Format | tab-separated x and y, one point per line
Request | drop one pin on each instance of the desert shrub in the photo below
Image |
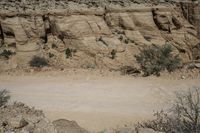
6	54
38	62
183	117
155	59
51	55
68	53
121	38
54	46
113	54
4	97
126	41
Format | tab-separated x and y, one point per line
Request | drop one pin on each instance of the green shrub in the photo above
6	54
155	59
38	62
4	97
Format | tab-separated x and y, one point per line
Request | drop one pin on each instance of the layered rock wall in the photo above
191	12
92	33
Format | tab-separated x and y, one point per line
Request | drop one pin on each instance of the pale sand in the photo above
95	102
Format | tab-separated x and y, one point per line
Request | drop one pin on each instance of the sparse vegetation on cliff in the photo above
4	97
38	62
51	55
113	54
6	54
155	59
68	53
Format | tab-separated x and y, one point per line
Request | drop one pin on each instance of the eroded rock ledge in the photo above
93	33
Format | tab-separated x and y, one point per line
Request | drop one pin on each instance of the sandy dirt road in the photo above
96	103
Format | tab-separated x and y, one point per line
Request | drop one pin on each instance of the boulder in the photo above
126	130
132	130
147	130
19	118
8	64
44	126
17	122
23	119
66	126
197	65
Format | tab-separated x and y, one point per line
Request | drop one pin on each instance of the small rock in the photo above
28	129
18	122
125	130
24	131
44	126
146	130
183	77
65	126
197	65
32	70
1	130
19	104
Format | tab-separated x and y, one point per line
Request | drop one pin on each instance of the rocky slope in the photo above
19	118
91	31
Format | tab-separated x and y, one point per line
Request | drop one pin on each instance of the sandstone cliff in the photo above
91	30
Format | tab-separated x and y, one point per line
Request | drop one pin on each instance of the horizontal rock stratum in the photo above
92	30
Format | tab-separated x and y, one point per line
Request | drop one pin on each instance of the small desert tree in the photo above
4	97
155	59
187	108
183	117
